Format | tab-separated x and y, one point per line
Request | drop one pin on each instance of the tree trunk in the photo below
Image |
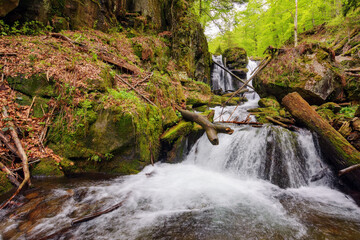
211	129
334	146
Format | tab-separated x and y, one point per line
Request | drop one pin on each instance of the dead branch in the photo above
236	77
10	175
280	123
242	123
7	54
128	84
32	103
23	157
19	168
348	169
252	77
144	80
11	147
211	129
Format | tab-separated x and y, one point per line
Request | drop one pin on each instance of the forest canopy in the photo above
257	24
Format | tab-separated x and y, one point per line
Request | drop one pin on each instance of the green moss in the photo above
5	184
326	114
181	129
169	117
36	85
47	167
236	57
269	102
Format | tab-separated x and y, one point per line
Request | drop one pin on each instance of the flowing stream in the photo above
259	183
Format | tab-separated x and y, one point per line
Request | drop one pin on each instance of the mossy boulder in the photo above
169	117
35	85
47	167
309	70
236	58
269	102
113	139
334	107
5	184
183	128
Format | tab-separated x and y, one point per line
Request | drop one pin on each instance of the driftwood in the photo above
236	77
243	123
22	155
335	147
280	123
128	84
144	80
211	129
349	169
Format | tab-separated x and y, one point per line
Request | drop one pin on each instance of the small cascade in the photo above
251	95
219	77
258	183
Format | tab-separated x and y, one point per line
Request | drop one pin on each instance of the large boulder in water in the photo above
309	69
236	58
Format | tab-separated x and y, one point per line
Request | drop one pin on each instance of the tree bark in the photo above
337	150
211	129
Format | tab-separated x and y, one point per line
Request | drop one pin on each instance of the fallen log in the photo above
334	146
280	123
211	129
349	169
243	123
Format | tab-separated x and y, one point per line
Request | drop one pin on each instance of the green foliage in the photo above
28	28
348	111
270	22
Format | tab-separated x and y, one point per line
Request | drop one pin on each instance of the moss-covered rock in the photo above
36	85
5	184
310	71
326	114
169	117
335	108
111	139
236	58
269	102
183	128
47	167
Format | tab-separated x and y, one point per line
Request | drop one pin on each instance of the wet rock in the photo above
7	6
236	58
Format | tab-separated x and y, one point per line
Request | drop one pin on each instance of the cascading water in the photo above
256	184
219	77
251	95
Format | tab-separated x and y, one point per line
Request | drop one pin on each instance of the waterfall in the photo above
221	80
258	183
251	95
